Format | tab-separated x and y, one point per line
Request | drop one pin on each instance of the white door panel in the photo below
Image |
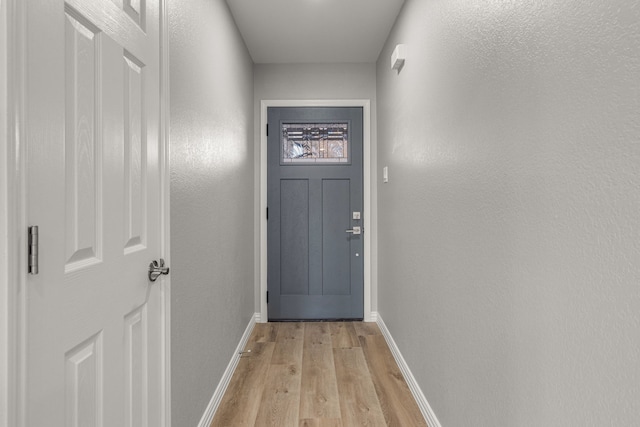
94	321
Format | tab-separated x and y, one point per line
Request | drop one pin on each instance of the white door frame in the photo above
368	208
13	213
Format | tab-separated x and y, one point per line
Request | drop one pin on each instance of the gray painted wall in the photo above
5	295
314	81
509	233
212	209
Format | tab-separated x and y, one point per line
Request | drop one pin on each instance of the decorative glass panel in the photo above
315	143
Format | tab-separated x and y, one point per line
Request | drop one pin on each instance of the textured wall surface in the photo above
4	268
509	233
315	81
211	199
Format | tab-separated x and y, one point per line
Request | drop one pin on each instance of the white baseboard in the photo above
207	417
425	408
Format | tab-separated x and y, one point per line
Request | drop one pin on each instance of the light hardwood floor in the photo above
317	374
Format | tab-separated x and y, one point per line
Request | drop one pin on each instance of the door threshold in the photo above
315	320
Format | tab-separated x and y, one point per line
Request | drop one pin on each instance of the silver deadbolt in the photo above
156	269
355	230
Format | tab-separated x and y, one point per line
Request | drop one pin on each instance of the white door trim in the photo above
13	215
368	208
14	222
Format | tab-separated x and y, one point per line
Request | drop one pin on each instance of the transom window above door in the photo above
315	143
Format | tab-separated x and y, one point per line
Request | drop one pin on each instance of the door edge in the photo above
165	219
368	209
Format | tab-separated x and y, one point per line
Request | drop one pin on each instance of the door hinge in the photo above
267	213
267	129
33	249
267	297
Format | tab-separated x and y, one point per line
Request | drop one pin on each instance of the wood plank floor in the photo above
317	374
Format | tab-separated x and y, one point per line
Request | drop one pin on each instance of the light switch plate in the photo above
385	174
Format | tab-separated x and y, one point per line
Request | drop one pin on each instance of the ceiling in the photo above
314	31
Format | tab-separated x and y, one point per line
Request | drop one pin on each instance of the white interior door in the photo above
94	322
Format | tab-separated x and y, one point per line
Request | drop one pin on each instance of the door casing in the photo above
13	211
367	209
13	214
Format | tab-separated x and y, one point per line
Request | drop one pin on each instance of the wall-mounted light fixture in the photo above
398	56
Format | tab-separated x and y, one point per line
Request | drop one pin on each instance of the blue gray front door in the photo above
314	199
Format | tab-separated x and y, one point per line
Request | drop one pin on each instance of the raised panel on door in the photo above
83	148
136	9
336	244
84	384
135	154
294	237
136	368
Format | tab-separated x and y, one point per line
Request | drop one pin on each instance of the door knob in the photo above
156	269
354	230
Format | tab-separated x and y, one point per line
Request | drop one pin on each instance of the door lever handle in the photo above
354	230
156	269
